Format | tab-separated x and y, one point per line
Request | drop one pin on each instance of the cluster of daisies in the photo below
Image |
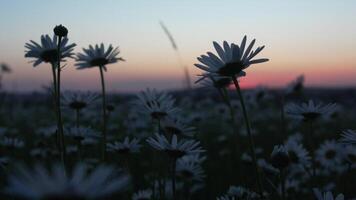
255	144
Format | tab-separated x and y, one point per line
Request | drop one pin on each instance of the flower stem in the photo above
283	186
77	113
103	153
174	163
60	123
248	129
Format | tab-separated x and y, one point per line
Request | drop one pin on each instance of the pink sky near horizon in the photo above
316	39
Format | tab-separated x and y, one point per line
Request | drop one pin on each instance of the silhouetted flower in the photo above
157	104
78	100
98	56
232	60
329	155
4	68
39	183
80	133
310	111
175	148
348	137
177	126
47	51
142	195
190	169
60	31
125	147
280	157
326	195
295	86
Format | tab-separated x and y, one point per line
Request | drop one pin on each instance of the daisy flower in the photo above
80	133
295	86
177	126
98	56
142	195
175	148
298	155
157	104
232	59
310	111
40	183
78	100
326	195
348	137
189	169
329	155
280	157
12	142
47	51
125	147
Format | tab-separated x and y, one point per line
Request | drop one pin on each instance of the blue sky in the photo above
316	38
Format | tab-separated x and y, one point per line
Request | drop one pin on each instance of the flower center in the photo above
231	69
99	62
158	115
77	105
50	55
293	157
187	174
311	115
330	154
175	153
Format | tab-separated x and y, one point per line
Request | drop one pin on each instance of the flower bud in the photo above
60	31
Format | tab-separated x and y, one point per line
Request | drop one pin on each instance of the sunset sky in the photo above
314	38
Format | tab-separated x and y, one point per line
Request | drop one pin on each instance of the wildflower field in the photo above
213	141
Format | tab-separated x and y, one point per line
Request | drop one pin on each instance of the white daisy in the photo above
348	137
298	155
47	50
80	133
175	148
12	142
125	147
280	157
54	184
157	104
177	126
329	155
78	100
309	111
142	195
189	169
232	60
326	195
97	56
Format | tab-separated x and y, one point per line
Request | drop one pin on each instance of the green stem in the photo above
104	113
248	129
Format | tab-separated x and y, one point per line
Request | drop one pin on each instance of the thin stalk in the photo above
77	116
174	163
79	146
312	147
59	113
283	118
248	129
283	186
103	147
58	140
